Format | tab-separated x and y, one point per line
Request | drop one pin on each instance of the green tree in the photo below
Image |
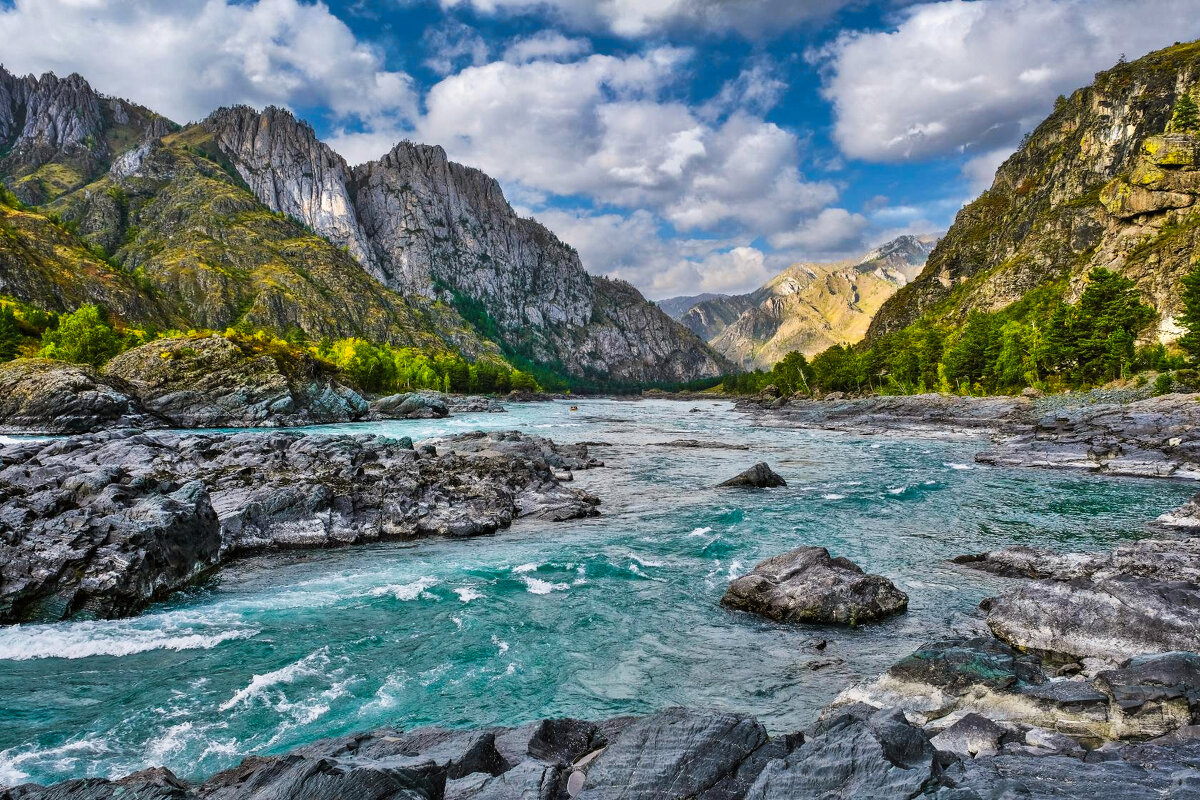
1190	316
84	337
792	374
1186	116
10	335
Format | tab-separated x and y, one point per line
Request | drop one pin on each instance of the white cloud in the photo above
600	127
186	57
546	45
970	77
634	18
833	232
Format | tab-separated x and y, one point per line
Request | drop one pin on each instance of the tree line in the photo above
1040	341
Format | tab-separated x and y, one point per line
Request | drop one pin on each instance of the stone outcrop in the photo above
1102	182
410	405
1154	438
215	382
1142	597
39	396
807	585
423	224
893	414
807	307
101	525
760	476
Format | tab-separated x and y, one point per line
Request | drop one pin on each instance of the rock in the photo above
1186	516
474	404
850	756
891	414
1032	393
703	444
760	476
410	405
38	396
101	525
214	382
970	736
151	784
806	585
1153	694
98	544
675	753
1147	438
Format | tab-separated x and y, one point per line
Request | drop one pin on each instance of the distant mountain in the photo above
674	307
1105	181
248	218
807	307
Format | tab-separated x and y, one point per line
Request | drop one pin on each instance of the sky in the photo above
683	145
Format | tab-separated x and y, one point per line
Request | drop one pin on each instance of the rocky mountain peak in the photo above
290	170
423	224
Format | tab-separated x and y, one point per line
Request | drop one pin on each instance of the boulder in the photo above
215	382
410	405
858	753
39	396
760	476
970	736
807	585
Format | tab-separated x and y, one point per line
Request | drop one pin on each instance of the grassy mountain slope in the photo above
1095	185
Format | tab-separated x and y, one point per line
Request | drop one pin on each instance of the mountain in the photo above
674	307
247	218
807	307
1101	182
425	225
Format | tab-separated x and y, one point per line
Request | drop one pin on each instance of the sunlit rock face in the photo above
423	224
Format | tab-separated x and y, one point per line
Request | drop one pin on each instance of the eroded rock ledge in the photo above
101	525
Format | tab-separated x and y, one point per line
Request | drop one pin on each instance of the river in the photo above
593	618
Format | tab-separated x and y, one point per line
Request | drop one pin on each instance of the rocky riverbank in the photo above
101	525
1152	437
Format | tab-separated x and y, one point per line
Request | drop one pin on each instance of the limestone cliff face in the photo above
425	225
1098	184
807	307
58	133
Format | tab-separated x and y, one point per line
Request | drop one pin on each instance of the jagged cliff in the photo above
249	219
807	307
57	134
425	225
1097	184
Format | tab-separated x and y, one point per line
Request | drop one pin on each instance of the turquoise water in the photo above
592	618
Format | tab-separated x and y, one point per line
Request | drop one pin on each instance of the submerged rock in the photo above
703	444
103	524
807	585
39	396
214	382
760	476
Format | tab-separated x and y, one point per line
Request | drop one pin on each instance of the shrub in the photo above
82	337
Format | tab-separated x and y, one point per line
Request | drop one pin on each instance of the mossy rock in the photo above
1171	150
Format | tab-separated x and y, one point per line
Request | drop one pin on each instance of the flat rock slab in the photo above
760	476
807	585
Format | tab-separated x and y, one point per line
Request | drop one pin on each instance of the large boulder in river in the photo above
410	405
807	585
216	382
53	397
760	476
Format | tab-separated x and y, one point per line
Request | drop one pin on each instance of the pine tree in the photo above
1186	116
10	335
1190	316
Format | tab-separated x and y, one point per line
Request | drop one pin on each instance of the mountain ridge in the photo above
808	306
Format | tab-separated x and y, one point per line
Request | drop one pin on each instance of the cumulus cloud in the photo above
634	18
969	77
833	232
599	126
186	57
